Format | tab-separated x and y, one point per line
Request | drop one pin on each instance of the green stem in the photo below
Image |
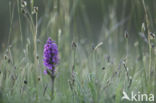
35	44
148	32
52	85
127	47
18	6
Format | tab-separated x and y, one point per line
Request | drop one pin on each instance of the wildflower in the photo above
50	55
50	60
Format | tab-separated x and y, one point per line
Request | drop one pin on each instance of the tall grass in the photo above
95	68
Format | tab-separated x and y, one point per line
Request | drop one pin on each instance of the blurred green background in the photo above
87	18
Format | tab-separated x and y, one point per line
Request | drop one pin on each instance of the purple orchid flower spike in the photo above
50	54
50	60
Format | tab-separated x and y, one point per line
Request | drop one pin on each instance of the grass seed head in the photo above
23	4
103	68
5	57
38	78
143	27
9	60
152	35
126	35
25	82
35	10
37	57
98	45
74	44
24	11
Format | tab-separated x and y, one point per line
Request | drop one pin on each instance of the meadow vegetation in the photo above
101	53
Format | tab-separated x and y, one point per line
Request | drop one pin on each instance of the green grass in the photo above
97	70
